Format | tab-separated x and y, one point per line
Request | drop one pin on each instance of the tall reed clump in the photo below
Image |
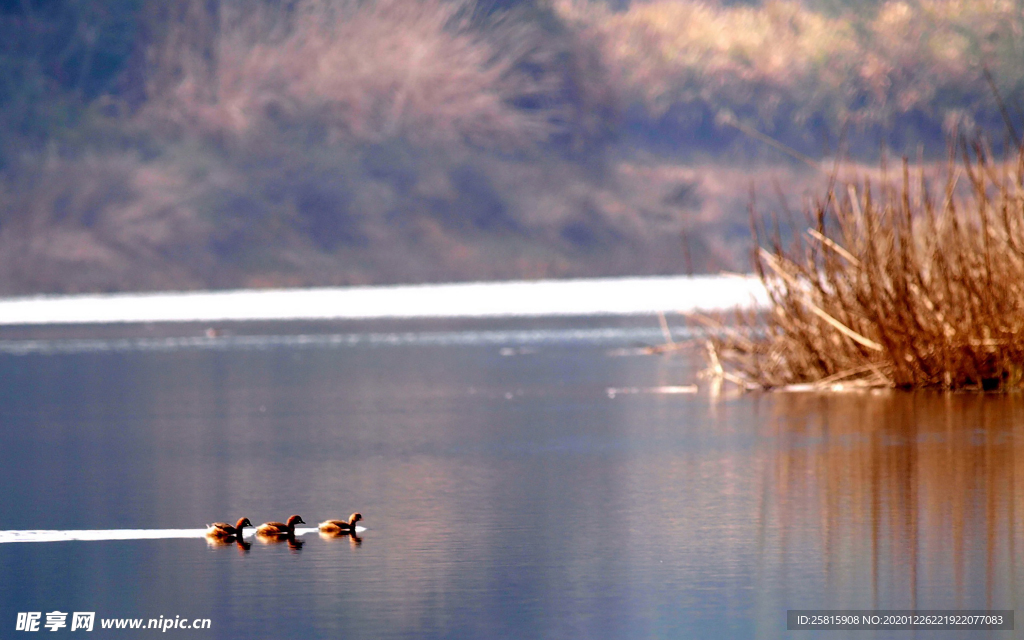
896	286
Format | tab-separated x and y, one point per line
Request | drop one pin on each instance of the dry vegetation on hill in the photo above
900	71
193	143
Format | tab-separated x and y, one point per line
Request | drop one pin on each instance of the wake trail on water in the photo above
93	535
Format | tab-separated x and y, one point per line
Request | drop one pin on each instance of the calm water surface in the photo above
506	494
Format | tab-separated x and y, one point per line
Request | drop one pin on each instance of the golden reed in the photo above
897	285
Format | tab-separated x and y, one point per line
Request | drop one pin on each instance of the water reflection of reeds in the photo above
911	496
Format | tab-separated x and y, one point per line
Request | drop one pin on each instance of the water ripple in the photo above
596	336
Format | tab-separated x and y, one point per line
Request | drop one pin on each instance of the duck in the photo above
279	529
225	530
338	527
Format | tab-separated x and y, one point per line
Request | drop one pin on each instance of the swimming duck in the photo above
341	526
225	530
279	529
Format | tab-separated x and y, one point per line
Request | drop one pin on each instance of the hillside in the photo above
191	144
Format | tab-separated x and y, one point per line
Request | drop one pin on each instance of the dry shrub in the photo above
898	286
100	223
930	56
785	65
670	54
359	72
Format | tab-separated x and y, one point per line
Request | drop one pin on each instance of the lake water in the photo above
507	493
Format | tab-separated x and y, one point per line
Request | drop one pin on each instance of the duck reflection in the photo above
293	542
353	539
231	541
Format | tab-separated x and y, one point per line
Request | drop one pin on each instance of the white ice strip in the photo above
599	296
44	535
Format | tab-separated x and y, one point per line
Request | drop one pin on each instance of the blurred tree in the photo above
175	37
78	45
55	57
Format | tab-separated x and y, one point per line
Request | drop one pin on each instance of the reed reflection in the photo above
913	494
